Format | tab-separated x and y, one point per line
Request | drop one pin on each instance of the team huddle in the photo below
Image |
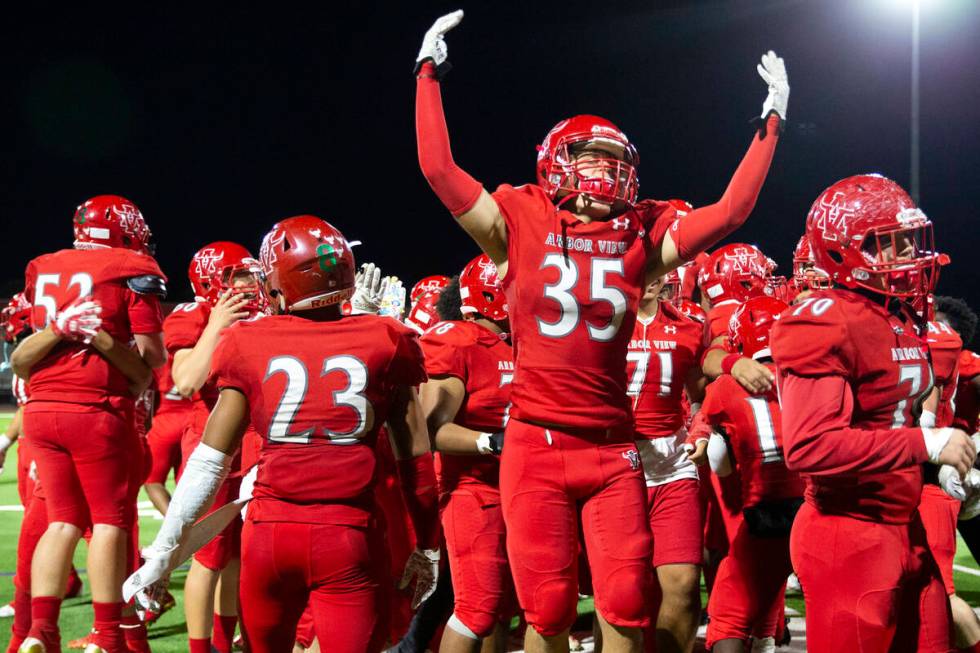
596	404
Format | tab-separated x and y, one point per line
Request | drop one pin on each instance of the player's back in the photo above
74	372
945	346
753	428
318	393
572	290
842	333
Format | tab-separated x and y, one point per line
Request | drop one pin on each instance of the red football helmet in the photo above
214	269
424	314
428	284
866	232
111	221
480	291
805	273
692	310
737	271
559	169
307	262
748	328
15	317
671	290
683	207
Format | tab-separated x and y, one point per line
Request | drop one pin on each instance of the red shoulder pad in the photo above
811	338
185	324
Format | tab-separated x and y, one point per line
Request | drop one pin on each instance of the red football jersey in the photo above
484	362
170	399
945	346
317	392
839	333
967	415
752	426
73	372
662	353
718	319
573	289
181	330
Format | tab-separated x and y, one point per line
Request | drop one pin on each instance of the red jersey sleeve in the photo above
145	313
444	355
969	364
183	327
226	362
407	366
818	437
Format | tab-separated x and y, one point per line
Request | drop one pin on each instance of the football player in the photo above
470	366
575	250
806	276
853	373
317	387
747	594
225	279
433	283
733	274
88	304
662	363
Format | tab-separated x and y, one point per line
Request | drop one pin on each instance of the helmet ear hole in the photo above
835	256
286	245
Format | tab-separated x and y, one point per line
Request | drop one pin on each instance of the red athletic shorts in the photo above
875	586
549	479
336	570
164	440
748	590
85	461
473	525
676	522
939	513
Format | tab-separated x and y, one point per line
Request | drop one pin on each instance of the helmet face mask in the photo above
735	272
866	232
588	157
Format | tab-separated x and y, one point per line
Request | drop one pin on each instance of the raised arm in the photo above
705	226
473	207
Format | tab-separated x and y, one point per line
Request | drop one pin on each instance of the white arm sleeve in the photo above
718	458
204	472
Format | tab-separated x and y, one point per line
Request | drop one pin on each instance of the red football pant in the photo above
335	569
85	461
473	525
939	513
872	585
676	522
216	554
164	440
549	479
748	589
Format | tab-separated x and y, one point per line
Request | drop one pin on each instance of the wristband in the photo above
5	443
936	440
483	444
728	363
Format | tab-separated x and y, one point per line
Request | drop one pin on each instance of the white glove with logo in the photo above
369	289
423	565
434	45
80	321
393	299
773	71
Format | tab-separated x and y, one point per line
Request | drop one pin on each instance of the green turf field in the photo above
169	633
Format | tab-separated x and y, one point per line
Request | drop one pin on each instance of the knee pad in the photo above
623	599
554	607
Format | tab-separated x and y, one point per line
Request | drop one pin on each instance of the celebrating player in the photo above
575	250
317	387
852	375
88	304
470	366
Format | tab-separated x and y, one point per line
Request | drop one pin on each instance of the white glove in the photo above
718	459
145	582
950	482
80	321
32	471
971	505
369	289
433	44
393	299
423	565
5	443
773	71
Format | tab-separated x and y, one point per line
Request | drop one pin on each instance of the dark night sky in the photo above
220	122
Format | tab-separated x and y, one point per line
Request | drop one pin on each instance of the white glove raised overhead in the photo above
369	289
423	565
433	43
79	321
773	72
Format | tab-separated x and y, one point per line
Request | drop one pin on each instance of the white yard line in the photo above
967	570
